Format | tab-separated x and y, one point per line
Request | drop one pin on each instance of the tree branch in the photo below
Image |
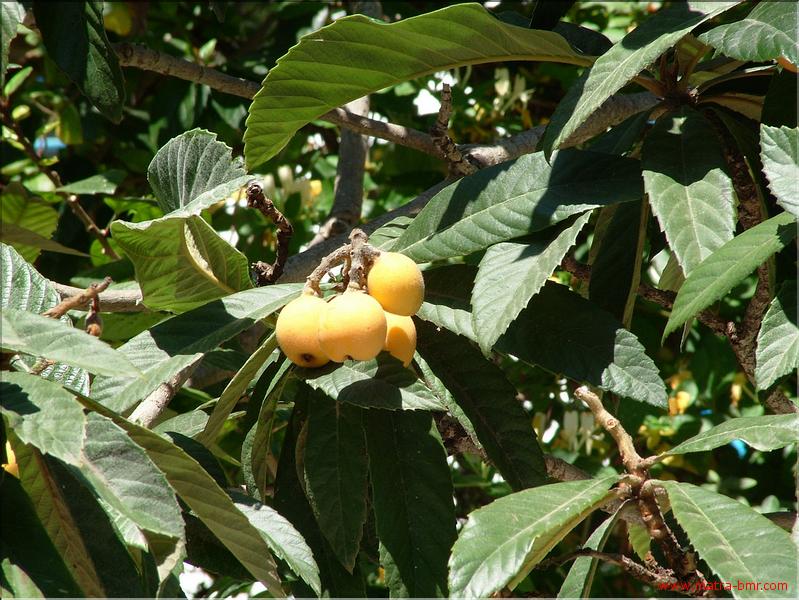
112	300
148	411
460	164
264	272
78	301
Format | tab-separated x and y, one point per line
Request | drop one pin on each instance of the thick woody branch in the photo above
147	413
264	272
112	300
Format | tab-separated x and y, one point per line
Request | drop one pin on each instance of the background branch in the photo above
148	411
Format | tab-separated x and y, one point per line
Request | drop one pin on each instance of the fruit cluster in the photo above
357	324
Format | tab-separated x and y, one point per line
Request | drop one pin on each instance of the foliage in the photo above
610	305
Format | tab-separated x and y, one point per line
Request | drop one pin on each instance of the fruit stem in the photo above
362	256
338	256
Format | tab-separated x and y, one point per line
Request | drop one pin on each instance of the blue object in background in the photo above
49	146
739	447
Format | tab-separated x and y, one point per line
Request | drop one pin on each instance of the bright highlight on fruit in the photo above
297	331
400	337
397	283
352	326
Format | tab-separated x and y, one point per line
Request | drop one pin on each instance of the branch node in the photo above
265	273
459	164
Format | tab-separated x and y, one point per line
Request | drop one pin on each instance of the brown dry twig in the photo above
94	323
264	272
460	165
80	301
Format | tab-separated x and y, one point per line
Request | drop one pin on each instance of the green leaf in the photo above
11	15
736	542
15	582
588	345
385	237
33	334
778	339
205	498
20	212
515	198
24	288
780	157
336	468
639	538
122	474
193	171
356	56
728	266
446	299
624	61
181	263
189	424
503	541
283	539
74	35
15	81
689	191
581	574
234	389
379	383
412	490
103	183
764	433
198	331
510	273
30	244
767	33
481	390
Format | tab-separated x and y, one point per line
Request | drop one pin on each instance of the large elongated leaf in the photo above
581	574
74	35
43	414
336	468
356	56
511	273
488	401
33	334
765	433
205	498
19	209
31	243
446	302
589	345
736	542
728	266
413	504
22	287
12	15
194	170
780	156
503	541
234	389
515	198
181	263
379	383
778	339
197	331
102	183
623	62
284	540
768	32
689	192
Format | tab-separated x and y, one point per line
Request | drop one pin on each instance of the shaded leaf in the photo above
412	491
193	171
515	198
780	157
33	334
12	14
503	541
510	273
639	538
31	243
736	542
20	213
581	574
379	383
588	345
336	467
103	183
764	433
481	390
767	33
181	263
778	339
689	191
619	65
74	35
357	55
728	266
446	299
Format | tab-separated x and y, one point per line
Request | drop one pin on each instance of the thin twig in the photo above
361	257
148	411
78	301
113	300
264	272
94	323
337	257
459	164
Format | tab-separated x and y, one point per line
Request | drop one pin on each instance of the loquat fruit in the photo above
352	326
297	331
400	337
397	283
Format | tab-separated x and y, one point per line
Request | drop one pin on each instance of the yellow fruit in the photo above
352	326
397	283
11	466
297	331
400	337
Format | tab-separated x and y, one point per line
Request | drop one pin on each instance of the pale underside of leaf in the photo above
777	351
